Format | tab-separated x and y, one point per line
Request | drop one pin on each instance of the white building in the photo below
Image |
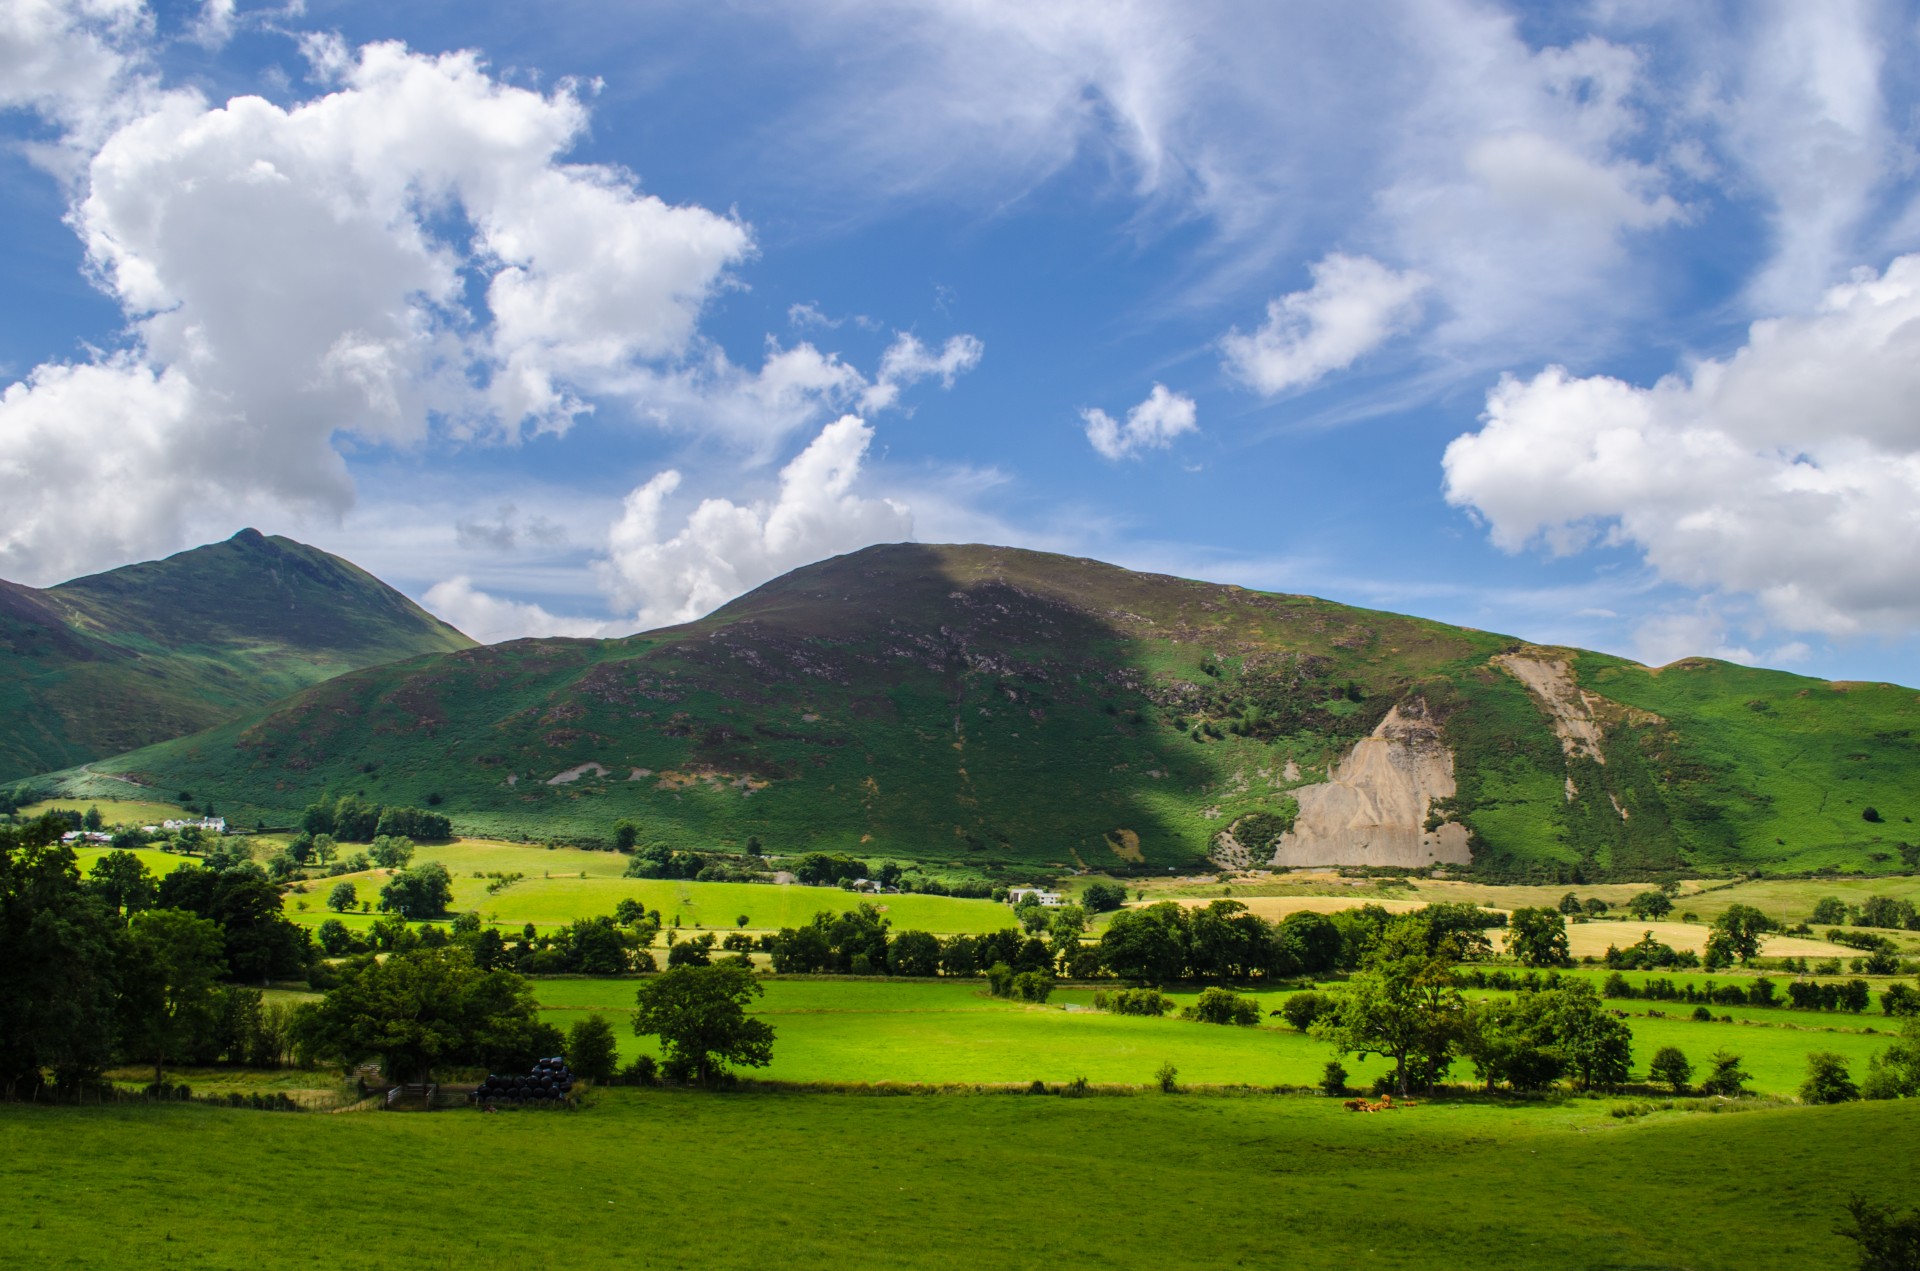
1047	899
211	824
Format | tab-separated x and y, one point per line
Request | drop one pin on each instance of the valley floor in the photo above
681	1179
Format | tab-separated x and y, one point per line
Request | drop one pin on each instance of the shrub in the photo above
1827	1080
1166	1076
1727	1079
1223	1006
1133	1002
1333	1080
1301	1009
1670	1065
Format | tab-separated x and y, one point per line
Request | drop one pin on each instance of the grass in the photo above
951	1031
553	892
112	811
846	1181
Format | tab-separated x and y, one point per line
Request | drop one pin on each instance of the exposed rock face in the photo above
1569	706
1372	809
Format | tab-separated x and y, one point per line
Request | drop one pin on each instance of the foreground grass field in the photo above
678	1180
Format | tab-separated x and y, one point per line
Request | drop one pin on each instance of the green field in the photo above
681	1180
942	1032
553	892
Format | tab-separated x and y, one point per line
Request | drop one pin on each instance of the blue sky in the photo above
1595	324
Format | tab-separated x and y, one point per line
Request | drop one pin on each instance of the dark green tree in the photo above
1537	937
1404	1005
123	881
700	1016
1739	930
1827	1080
425	891
591	1052
1728	1079
1670	1065
61	958
261	944
419	1010
1888	1241
1650	906
176	962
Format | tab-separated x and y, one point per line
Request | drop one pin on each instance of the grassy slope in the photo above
676	1180
992	706
116	660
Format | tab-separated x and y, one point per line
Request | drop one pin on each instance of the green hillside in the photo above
986	705
112	661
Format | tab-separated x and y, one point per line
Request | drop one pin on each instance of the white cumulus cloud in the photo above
491	619
725	548
907	361
1354	305
289	281
1151	425
1788	472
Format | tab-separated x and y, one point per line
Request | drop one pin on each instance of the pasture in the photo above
950	1031
689	1180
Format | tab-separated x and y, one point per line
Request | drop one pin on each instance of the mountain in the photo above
112	661
990	706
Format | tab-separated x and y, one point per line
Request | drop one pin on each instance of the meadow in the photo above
685	1180
938	1032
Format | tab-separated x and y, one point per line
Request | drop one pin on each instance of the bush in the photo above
1670	1065
1223	1006
1827	1080
1334	1079
1099	898
1301	1009
1166	1077
1887	1242
1728	1079
590	1049
1133	1002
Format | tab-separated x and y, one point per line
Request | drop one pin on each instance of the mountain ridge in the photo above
130	656
994	706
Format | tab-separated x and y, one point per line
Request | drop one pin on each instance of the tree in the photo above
1569	904
1887	1242
1894	1073
123	881
1829	911
1537	937
177	959
700	1016
1827	1080
915	953
1100	898
1598	1046
260	941
1738	931
418	1010
591	1052
625	835
1650	906
391	851
61	955
1404	1005
334	937
1147	945
1727	1079
343	897
425	891
1670	1065
1301	1009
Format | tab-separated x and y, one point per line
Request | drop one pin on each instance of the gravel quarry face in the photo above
1372	809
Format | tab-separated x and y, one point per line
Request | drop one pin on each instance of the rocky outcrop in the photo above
1569	706
1372	809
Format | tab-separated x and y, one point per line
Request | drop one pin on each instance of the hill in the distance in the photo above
984	705
136	655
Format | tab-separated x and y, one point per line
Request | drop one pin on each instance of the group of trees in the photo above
1888	912
352	819
1405	1004
1806	995
120	966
